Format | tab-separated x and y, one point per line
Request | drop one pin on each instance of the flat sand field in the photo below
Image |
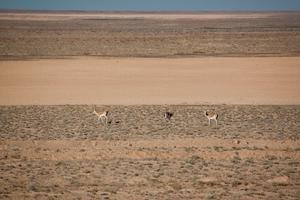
124	81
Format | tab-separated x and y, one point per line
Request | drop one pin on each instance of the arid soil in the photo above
149	35
55	66
63	152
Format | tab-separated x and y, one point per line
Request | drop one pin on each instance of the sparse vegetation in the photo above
107	162
81	36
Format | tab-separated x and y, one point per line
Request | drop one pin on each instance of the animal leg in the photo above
101	119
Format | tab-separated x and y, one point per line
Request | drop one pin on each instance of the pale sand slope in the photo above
170	16
86	80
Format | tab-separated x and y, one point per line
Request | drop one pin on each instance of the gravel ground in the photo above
63	152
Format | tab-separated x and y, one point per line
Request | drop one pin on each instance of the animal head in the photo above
94	112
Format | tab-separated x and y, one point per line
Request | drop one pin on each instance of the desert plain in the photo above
56	67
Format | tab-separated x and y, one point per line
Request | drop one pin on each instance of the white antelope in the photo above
102	116
211	116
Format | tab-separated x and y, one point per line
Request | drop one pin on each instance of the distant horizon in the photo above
142	11
151	6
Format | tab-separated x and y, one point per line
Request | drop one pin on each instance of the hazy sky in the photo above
151	4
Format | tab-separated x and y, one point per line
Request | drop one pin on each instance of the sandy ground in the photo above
63	152
87	80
